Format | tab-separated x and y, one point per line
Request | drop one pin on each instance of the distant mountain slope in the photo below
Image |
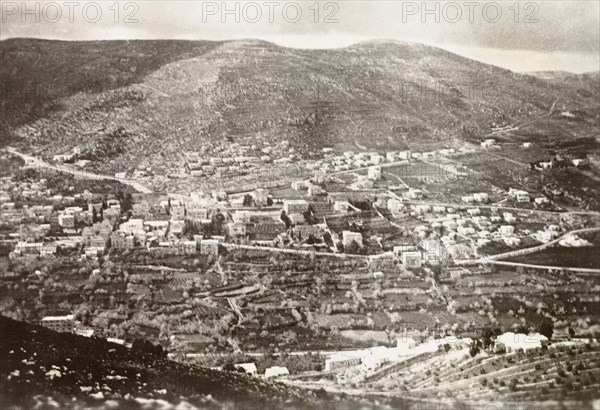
36	360
172	96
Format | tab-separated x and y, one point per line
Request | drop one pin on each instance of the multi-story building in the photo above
295	206
59	323
412	259
209	247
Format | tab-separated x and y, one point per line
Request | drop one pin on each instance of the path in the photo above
30	160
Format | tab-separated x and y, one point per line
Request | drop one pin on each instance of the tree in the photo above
352	248
546	328
229	367
248	200
286	219
474	349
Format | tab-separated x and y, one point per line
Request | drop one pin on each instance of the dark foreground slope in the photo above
38	361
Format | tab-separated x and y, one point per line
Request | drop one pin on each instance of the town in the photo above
174	268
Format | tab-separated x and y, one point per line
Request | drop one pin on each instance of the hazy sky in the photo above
522	36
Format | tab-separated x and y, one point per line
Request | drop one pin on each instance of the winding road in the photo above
77	173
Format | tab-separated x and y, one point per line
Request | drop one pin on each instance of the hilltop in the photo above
172	96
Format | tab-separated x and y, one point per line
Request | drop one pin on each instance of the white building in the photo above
276	371
209	247
348	237
374	173
513	341
341	206
295	206
395	205
249	368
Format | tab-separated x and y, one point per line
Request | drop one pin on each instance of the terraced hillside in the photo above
564	372
149	99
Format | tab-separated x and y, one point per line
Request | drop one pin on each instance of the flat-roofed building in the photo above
59	323
348	237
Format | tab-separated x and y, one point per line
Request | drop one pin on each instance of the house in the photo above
374	173
376	158
121	240
395	205
512	341
512	241
404	155
295	206
348	237
412	259
236	229
66	221
507	230
153	226
481	197
187	247
209	247
509	217
578	162
414	193
305	231
541	200
527	145
362	182
59	323
241	216
341	206
298	185
132	226
399	249
341	360
249	368
92	252
276	371
488	143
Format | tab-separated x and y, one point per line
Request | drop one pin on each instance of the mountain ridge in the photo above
168	94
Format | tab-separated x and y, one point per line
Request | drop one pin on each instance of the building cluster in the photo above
235	158
66	324
270	372
456	233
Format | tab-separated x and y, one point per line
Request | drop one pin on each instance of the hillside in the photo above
36	360
563	376
172	96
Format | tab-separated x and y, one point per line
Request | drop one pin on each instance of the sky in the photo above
518	35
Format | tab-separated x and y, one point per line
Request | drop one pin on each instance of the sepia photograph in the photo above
299	205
